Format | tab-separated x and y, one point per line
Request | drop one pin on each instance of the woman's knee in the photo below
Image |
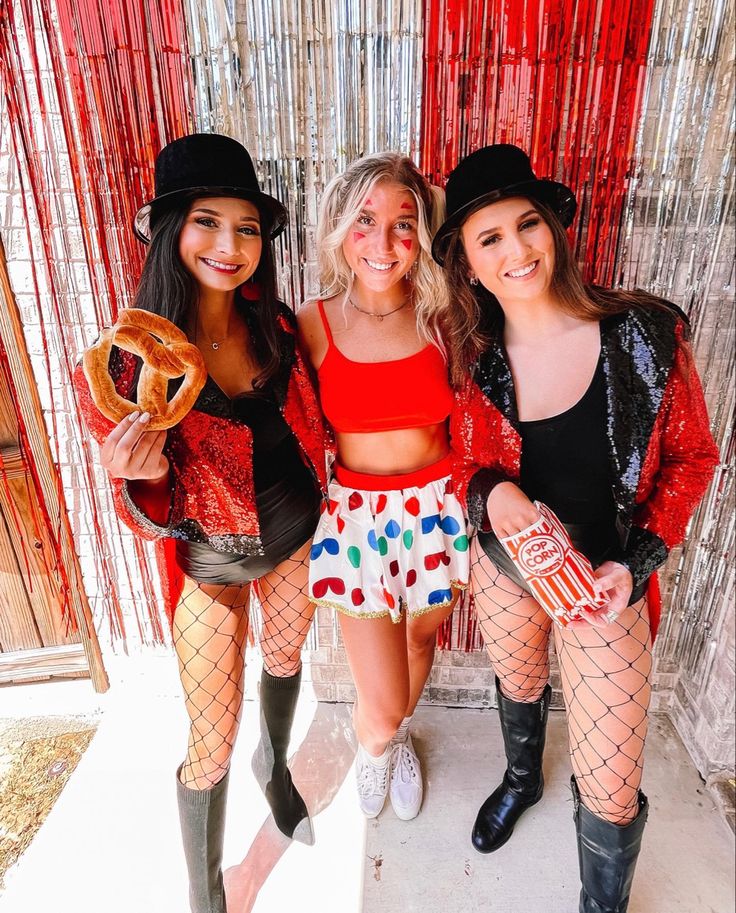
205	771
524	687
283	663
618	807
382	720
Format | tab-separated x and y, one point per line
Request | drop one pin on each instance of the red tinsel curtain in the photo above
92	91
562	79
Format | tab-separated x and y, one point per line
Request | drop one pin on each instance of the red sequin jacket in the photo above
212	496
662	455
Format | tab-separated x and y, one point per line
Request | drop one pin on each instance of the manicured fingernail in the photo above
133	416
146	417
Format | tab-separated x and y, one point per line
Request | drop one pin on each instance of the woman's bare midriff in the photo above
393	452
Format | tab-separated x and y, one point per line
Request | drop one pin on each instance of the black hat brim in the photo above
276	210
559	198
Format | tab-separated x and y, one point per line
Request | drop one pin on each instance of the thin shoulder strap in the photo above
325	323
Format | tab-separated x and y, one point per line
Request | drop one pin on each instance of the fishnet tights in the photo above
605	681
210	630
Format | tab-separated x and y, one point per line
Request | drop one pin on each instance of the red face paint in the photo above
406	206
357	236
368	202
407	244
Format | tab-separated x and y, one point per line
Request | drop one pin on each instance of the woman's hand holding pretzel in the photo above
132	452
166	354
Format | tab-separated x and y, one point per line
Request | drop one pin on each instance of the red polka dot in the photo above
390	601
357	596
340	524
381	503
411	577
394	568
355	500
412	506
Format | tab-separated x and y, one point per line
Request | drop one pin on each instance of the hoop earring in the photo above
473	280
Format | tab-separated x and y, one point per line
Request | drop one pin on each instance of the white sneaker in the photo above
372	776
405	788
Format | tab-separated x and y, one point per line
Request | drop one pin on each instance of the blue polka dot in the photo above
439	597
372	541
392	529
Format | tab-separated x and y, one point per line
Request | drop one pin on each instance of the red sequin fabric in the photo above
211	458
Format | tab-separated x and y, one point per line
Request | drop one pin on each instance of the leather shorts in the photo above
288	512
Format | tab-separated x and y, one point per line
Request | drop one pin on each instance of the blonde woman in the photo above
390	553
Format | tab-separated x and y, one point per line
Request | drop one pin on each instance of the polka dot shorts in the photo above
400	548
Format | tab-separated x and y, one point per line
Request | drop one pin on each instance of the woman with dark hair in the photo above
232	493
587	400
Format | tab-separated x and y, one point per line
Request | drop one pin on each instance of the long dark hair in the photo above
480	316
167	287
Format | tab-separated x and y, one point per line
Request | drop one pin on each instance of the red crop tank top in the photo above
359	396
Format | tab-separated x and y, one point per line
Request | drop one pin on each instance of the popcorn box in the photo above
560	578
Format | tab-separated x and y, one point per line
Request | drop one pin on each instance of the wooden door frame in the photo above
52	660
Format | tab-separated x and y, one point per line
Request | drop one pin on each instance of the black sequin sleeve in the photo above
643	553
481	485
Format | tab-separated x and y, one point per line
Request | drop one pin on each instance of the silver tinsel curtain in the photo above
309	85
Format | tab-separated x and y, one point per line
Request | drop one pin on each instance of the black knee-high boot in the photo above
278	703
607	854
202	818
524	728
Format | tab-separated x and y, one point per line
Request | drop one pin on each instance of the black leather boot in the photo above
607	854
524	727
278	703
202	818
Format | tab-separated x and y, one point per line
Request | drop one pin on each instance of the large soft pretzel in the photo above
166	354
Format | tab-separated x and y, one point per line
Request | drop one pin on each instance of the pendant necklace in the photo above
373	314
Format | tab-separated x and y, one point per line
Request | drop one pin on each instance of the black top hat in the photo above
490	174
209	163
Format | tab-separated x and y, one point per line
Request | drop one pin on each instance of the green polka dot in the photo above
408	538
382	545
354	556
461	543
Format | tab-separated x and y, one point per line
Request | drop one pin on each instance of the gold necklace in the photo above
210	343
378	317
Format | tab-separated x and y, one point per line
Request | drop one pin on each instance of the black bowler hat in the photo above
209	163
490	174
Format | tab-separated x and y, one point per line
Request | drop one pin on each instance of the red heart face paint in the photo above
381	245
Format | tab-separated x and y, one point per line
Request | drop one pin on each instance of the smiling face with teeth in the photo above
511	249
220	242
381	245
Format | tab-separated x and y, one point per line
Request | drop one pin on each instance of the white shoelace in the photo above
404	764
372	780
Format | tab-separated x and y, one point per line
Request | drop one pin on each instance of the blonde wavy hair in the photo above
341	205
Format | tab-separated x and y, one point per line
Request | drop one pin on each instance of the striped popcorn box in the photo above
559	577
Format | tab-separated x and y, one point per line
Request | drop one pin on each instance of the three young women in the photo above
585	399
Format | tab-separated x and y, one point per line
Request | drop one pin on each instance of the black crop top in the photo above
565	461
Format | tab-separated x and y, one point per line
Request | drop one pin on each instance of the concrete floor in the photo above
111	842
